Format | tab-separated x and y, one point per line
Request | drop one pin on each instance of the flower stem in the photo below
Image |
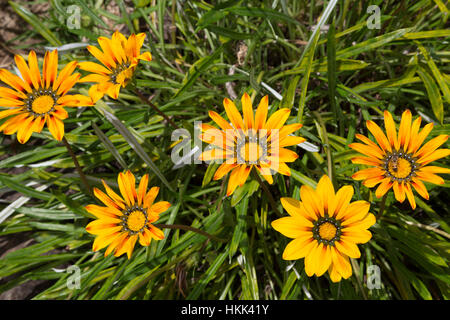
189	228
146	101
77	165
267	191
382	206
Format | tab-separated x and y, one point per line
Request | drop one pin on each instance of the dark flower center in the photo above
327	230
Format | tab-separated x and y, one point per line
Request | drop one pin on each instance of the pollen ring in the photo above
327	230
41	102
251	149
399	166
134	220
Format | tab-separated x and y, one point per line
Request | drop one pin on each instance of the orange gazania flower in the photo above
120	56
126	218
250	142
325	228
400	161
32	100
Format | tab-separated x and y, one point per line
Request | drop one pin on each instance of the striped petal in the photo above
379	135
35	74
261	113
391	132
247	110
233	114
277	120
385	185
404	132
56	127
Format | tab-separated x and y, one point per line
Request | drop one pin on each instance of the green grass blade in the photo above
433	94
36	23
130	138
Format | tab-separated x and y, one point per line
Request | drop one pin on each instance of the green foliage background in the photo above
333	80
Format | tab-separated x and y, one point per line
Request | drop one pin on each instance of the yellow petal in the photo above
420	137
145	238
440	153
292	227
291	141
160	207
150	197
368	173
94	67
25	130
277	120
245	171
343	197
156	233
361	236
125	189
34	70
103	240
325	191
348	248
288	129
103	212
385	185
11	125
67	84
142	190
433	169
145	56
261	113
399	192
391	132
311	260
367	150
355	211
247	110
334	274
50	68
223	170
9	112
233	114
341	263
299	248
14	81
311	202
429	147
105	199
233	181
404	131
223	124
324	259
410	196
56	127
287	155
414	134
104	224
106	59
366	160
118	200
379	135
116	243
23	68
429	177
